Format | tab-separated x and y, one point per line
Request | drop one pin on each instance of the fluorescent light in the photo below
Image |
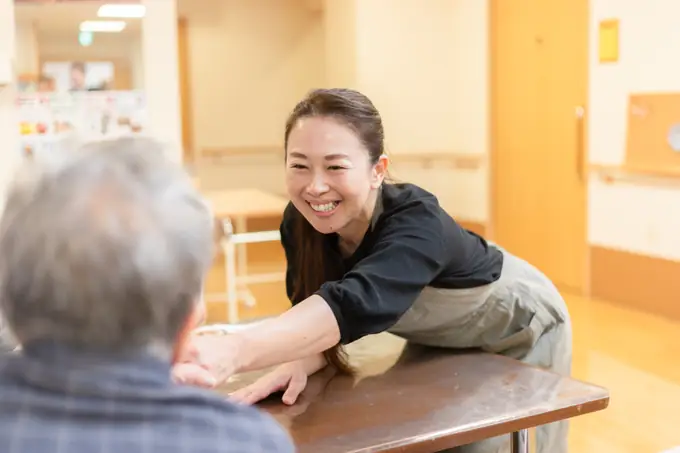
132	11
103	26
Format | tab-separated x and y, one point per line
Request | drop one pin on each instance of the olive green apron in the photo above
521	315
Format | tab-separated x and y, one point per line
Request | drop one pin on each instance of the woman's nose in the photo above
317	186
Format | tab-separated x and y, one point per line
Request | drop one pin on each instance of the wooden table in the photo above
414	399
233	208
244	203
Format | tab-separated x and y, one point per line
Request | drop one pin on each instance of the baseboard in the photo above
637	281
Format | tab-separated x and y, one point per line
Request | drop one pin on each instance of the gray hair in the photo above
106	249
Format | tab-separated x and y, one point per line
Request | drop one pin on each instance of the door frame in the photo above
492	186
184	73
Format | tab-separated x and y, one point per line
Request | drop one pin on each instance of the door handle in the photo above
580	113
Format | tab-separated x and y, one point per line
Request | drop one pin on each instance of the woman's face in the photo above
329	176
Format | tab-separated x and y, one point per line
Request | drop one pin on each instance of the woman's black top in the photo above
411	243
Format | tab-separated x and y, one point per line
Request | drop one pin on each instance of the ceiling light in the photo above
102	26
132	11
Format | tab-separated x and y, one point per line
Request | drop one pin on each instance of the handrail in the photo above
649	176
467	161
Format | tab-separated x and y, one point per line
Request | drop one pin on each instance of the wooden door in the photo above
539	88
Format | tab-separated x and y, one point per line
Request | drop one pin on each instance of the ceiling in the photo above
63	17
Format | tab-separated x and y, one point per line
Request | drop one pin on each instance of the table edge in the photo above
441	440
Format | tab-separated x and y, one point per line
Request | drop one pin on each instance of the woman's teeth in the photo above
324	207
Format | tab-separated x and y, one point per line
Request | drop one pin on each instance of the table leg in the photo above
520	441
241	249
230	276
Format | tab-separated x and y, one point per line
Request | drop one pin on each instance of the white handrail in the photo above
225	328
252	237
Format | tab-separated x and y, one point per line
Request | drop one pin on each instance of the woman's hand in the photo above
291	377
193	374
206	361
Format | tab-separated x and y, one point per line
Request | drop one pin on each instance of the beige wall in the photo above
27	48
631	216
249	62
161	77
427	70
9	132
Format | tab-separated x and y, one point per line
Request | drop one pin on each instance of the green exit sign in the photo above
85	38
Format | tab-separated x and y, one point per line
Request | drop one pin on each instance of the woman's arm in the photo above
409	253
307	329
313	363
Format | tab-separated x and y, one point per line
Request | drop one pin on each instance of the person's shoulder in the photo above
405	199
237	428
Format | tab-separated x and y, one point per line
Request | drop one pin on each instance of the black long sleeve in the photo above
381	287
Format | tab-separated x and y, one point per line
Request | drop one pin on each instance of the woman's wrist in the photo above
313	363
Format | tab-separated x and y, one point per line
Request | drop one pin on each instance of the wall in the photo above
249	62
427	71
631	216
159	48
9	156
633	227
27	48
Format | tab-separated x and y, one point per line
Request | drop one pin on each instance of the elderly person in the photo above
101	266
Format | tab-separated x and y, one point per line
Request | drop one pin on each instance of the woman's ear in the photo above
380	171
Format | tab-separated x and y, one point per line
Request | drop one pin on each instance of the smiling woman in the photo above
327	139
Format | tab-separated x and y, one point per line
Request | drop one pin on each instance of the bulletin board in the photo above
45	119
653	139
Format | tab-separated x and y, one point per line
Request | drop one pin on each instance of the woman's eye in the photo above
336	167
297	166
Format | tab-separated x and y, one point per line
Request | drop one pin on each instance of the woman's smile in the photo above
325	209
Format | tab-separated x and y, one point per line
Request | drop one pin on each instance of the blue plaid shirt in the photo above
53	400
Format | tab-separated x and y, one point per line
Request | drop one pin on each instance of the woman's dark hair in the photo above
314	266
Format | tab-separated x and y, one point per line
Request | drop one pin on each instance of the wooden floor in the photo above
635	355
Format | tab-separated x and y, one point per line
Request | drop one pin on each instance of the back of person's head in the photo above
105	251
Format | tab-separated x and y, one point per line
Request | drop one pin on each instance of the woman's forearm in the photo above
307	329
313	363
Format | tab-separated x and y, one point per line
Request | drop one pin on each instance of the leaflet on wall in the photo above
45	119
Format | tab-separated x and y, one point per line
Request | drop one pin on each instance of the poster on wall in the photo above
71	76
46	119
